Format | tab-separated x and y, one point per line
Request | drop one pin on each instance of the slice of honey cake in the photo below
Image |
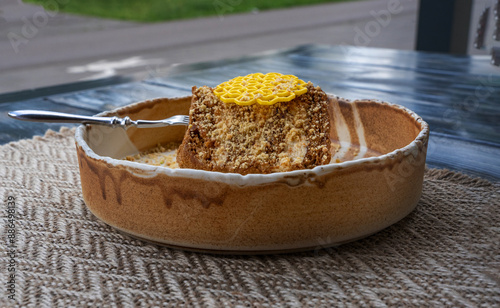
257	124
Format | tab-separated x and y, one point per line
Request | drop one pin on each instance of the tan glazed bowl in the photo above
374	180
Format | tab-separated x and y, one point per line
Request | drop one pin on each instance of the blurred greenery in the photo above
162	10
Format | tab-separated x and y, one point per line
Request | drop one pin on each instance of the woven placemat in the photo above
445	253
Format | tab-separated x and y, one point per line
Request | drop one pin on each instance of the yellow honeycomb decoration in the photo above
267	89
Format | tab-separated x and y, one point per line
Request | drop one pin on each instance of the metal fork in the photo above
126	122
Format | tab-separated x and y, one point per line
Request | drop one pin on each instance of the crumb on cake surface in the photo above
256	138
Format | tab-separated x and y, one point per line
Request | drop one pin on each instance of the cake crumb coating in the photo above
257	138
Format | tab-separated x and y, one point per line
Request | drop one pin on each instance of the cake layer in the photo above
285	136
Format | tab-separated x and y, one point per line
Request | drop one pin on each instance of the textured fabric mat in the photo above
444	254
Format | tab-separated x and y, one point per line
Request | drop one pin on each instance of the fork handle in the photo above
59	117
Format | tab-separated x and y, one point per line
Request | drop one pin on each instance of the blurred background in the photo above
51	42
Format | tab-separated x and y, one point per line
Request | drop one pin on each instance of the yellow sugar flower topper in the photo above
265	89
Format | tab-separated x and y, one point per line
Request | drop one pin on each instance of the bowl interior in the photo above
359	129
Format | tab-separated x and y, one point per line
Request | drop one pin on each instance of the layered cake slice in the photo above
257	124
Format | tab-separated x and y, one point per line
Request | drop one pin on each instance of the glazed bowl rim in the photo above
255	179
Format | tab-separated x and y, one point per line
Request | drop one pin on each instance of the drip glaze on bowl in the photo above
381	148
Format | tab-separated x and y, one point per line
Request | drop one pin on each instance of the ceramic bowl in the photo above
375	179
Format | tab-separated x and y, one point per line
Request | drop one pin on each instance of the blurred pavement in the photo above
42	48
